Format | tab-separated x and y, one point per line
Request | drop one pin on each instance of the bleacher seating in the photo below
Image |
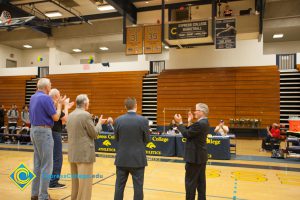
240	92
12	89
106	91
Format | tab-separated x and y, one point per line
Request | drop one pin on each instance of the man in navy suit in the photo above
195	154
131	131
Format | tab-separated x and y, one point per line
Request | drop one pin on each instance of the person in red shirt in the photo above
275	131
273	134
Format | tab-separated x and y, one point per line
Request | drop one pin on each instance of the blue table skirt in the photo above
218	147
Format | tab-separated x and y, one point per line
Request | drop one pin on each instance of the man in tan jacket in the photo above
81	152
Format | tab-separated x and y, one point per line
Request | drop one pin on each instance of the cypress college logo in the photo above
151	145
22	176
106	143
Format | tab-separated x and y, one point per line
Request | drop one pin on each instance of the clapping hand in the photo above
190	116
178	118
70	105
101	120
67	103
61	100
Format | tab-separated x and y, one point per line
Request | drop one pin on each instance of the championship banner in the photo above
152	39
225	33
188	30
134	40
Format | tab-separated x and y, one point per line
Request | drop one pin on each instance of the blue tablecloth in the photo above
218	147
158	145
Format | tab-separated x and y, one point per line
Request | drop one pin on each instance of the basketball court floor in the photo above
249	175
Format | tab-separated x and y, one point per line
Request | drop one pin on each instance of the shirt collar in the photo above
202	118
132	111
40	91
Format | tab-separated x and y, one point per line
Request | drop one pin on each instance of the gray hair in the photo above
202	107
81	100
43	83
53	92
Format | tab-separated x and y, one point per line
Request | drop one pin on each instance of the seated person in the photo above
2	114
273	135
12	116
282	132
173	127
25	116
109	125
227	11
221	129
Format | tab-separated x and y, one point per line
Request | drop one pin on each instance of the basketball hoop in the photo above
5	18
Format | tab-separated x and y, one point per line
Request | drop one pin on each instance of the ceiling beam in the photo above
177	5
87	17
125	6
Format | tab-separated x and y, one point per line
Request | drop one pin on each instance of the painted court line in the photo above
94	184
169	191
158	159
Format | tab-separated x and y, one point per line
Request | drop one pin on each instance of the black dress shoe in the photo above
34	198
57	186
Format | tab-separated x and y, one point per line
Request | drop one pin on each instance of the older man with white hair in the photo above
42	116
56	134
81	149
195	154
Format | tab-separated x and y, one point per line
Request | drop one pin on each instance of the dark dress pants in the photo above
57	158
195	179
137	179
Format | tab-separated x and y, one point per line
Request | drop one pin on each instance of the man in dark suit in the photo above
131	132
195	154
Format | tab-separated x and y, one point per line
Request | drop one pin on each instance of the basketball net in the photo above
5	18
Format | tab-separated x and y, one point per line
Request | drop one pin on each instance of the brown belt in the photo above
44	126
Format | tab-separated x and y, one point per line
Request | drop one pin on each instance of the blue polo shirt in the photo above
41	109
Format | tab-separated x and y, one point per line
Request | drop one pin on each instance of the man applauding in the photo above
195	154
81	152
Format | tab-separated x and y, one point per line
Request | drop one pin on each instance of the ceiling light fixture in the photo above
105	7
147	2
53	14
27	46
103	48
77	50
167	47
279	35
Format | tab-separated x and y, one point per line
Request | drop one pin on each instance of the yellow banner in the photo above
134	40
152	39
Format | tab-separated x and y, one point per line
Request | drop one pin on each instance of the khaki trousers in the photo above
81	186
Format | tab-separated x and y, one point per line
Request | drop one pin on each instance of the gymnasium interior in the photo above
240	57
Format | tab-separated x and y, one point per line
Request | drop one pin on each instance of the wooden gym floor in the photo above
249	175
